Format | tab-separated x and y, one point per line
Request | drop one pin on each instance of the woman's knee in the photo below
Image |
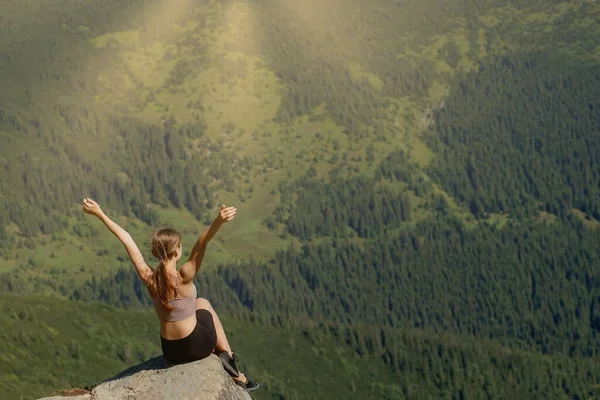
203	304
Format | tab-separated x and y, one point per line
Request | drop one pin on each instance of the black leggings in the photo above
197	345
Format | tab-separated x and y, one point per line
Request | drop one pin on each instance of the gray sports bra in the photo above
183	307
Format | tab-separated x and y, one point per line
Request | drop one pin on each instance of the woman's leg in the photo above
222	342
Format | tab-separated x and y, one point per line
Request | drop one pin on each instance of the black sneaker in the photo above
249	385
229	363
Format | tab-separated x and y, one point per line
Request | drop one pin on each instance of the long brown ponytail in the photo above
165	243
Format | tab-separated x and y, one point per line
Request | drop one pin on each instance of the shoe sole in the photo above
246	389
252	389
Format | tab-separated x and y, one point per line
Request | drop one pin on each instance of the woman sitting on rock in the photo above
190	329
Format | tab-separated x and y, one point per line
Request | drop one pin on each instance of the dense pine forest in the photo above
417	183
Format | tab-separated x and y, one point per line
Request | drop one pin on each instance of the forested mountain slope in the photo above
418	180
74	345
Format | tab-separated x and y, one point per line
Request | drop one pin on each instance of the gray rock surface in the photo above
156	380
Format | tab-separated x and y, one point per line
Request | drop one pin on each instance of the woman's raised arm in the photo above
89	206
191	267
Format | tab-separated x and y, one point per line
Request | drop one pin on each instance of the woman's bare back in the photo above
176	289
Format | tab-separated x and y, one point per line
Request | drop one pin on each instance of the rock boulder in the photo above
156	380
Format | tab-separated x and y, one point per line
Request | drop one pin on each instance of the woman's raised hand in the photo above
226	214
89	206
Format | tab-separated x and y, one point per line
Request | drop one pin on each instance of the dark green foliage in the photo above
397	166
522	135
329	209
456	367
527	286
56	344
